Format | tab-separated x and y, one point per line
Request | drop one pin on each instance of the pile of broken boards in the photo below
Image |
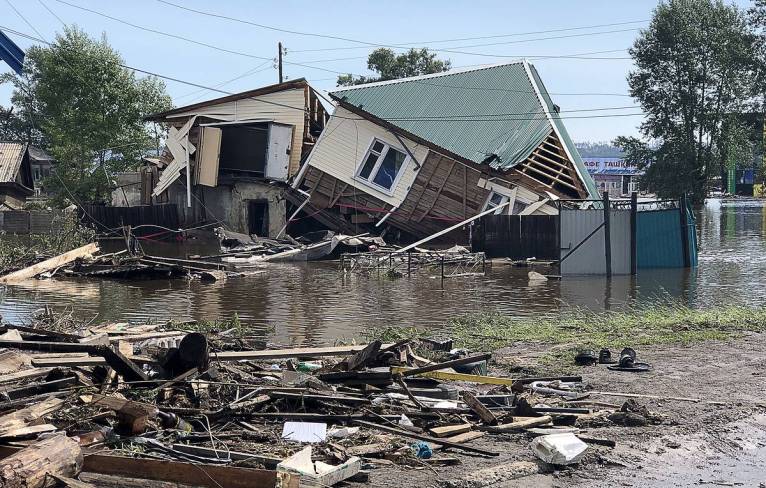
118	405
87	261
243	249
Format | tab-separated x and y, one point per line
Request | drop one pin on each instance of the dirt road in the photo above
698	444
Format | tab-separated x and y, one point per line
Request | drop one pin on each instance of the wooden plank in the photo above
24	375
449	430
208	156
478	408
298	352
207	475
49	362
439	191
270	461
49	264
517	425
466	437
450	376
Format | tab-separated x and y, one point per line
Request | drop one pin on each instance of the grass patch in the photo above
656	324
571	330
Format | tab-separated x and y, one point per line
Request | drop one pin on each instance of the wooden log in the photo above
450	430
29	467
49	264
517	425
479	409
206	475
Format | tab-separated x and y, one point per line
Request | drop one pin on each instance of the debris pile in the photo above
144	402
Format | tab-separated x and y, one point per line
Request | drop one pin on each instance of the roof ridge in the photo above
431	75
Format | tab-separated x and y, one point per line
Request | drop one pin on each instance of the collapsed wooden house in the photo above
421	154
228	159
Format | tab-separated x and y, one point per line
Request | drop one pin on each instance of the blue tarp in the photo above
11	53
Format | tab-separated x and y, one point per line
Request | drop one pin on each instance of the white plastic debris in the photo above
304	431
405	421
559	448
317	473
342	432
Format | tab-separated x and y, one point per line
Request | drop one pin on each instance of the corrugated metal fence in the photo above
656	234
32	221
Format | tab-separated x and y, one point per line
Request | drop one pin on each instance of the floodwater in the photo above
313	303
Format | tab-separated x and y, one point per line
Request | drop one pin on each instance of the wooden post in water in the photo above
442	268
633	233
607	237
684	230
409	263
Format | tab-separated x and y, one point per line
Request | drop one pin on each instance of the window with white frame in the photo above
382	165
494	200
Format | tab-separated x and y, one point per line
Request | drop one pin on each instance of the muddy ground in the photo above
698	444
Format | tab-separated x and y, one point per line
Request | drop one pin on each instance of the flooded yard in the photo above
313	303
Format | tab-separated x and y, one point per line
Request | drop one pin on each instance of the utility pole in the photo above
281	79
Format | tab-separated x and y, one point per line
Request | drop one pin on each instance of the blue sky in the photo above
393	22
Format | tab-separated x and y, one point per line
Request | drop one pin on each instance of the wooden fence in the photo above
517	236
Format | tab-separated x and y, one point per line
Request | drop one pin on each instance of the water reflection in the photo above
296	304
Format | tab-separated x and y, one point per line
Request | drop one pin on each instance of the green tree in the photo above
391	66
695	67
90	111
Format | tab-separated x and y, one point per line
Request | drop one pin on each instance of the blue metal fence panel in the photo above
658	239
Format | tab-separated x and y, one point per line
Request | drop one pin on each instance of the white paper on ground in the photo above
304	431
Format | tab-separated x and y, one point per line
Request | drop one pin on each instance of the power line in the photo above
373	44
24	18
249	72
52	12
303	109
520	56
420	43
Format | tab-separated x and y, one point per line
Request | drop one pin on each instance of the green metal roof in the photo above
490	114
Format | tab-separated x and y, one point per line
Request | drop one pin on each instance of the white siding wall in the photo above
344	143
260	108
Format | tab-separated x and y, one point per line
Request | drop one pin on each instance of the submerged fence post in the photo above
409	263
607	236
684	230
442	267
633	233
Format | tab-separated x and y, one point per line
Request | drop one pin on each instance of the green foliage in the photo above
392	66
695	65
90	110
